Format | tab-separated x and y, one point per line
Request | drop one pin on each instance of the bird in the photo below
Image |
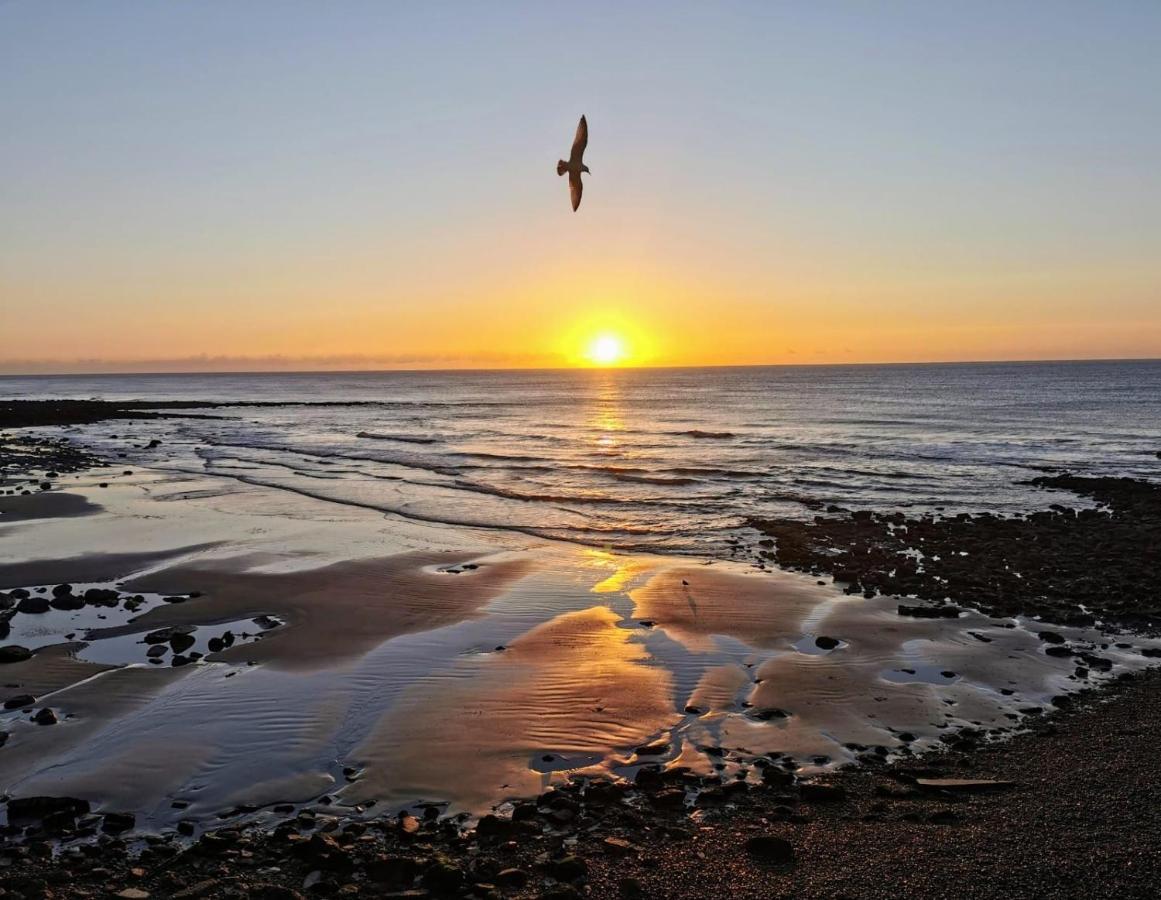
575	164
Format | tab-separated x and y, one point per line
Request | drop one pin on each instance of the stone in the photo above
930	612
963	785
33	605
33	809
45	716
511	878
14	653
19	701
813	792
132	894
165	635
181	642
822	642
617	847
115	823
567	868
443	878
770	849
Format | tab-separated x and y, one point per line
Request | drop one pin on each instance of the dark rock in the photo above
20	701
102	597
1051	637
770	850
45	716
398	871
181	642
511	878
14	653
826	643
813	792
567	868
930	612
116	823
67	601
23	810
443	878
165	635
33	605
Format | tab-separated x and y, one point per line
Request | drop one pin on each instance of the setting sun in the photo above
606	350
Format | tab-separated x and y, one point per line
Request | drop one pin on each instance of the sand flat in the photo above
333	612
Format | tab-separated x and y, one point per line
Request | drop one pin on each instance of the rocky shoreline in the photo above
1065	565
1068	808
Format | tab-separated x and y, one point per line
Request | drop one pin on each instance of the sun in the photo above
607	350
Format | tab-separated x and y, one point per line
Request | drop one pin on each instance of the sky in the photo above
273	185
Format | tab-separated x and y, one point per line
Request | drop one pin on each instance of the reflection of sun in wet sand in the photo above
577	685
625	569
693	604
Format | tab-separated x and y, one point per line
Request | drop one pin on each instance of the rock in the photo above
1051	637
132	894
822	642
930	612
813	792
181	642
673	799
23	810
963	785
156	650
443	878
567	868
115	823
33	605
511	878
62	590
19	701
654	749
67	602
491	826
165	635
45	716
774	776
399	871
102	597
14	653
617	847
771	850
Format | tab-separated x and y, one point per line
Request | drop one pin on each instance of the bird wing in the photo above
580	141
574	188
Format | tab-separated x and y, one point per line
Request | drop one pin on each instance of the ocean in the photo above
663	460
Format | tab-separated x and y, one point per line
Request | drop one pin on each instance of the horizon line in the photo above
509	369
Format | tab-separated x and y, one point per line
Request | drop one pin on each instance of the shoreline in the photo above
622	813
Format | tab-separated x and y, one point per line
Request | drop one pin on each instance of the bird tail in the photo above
561	167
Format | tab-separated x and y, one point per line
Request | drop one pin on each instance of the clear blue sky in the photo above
772	182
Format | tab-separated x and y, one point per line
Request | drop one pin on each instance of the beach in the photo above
353	645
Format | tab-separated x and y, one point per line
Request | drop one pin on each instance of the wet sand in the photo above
46	506
331	613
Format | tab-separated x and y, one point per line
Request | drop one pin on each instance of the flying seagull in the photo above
575	164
